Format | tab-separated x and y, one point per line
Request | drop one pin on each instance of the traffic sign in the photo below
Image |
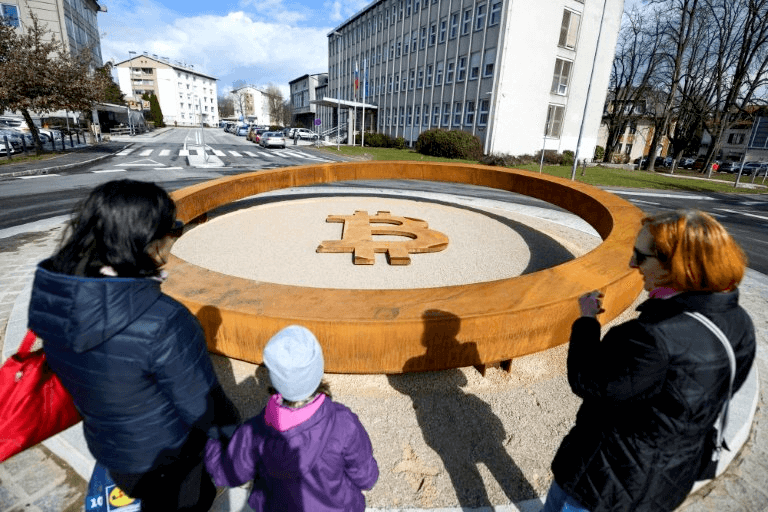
318	122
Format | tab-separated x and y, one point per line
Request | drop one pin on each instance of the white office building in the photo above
513	72
186	96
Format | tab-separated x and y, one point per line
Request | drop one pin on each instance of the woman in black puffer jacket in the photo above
134	360
654	386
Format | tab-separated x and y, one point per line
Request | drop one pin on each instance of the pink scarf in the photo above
282	418
662	292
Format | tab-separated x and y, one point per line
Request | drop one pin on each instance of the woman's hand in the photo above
591	304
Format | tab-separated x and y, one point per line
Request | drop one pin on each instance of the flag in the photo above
357	79
365	78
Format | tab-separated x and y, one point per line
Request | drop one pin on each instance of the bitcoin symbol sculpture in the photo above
357	237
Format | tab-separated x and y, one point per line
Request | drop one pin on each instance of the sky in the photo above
260	42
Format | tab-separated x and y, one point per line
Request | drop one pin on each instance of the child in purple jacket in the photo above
303	451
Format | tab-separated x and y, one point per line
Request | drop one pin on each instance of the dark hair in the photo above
114	227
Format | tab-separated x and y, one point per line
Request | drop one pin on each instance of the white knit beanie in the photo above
295	362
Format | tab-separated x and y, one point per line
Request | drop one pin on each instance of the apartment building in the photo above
516	73
252	104
186	96
71	21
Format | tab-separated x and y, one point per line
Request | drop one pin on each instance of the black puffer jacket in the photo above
652	389
135	362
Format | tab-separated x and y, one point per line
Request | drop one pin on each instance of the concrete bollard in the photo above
7	147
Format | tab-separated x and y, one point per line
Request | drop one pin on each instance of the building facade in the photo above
252	104
72	22
187	97
307	89
516	73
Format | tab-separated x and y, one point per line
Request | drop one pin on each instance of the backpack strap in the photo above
723	419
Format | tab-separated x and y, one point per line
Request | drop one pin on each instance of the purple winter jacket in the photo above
320	465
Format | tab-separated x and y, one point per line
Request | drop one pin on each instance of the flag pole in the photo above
365	95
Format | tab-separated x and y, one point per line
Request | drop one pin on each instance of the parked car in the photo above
242	130
687	162
272	139
751	168
729	166
254	134
14	141
304	133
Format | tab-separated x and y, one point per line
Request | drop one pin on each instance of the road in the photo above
166	160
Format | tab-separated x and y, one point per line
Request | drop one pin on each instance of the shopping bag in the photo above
33	404
104	496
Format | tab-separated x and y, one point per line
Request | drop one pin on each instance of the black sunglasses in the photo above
640	257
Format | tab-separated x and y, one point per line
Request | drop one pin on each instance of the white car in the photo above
305	134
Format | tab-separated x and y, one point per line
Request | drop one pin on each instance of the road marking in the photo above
250	154
743	213
183	152
108	170
149	163
645	202
234	153
218	152
168	168
267	153
126	152
165	152
658	194
146	152
37	176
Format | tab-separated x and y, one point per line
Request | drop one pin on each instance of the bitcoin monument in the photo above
379	331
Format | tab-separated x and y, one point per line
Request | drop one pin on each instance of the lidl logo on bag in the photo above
118	500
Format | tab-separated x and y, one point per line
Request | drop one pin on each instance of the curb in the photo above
47	170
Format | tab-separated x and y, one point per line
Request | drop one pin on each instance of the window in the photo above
412	80
392	51
402	84
569	29
414	40
416	7
416	115
429	75
449	73
457	114
454	24
482	120
469	113
420	79
627	149
560	80
389	117
443	30
462	69
423	42
426	114
474	66
432	34
439	74
397	82
488	61
402	116
390	85
409	116
397	52
480	17
555	121
181	105
466	21
736	138
632	127
495	16
436	115
408	7
405	47
446	114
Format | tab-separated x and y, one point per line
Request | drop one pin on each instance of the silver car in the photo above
272	139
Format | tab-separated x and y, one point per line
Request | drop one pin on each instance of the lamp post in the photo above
131	53
338	90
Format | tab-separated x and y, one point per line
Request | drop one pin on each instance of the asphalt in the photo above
52	476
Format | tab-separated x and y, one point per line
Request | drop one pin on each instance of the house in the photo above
252	104
187	97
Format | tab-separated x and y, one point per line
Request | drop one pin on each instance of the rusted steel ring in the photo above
394	331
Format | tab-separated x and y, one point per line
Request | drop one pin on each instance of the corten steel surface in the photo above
359	228
392	331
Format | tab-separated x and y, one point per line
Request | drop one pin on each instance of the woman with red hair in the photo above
652	389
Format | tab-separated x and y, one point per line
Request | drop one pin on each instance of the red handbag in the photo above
33	404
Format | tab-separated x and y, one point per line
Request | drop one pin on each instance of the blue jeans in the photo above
560	501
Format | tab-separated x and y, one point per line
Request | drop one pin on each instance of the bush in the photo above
567	159
450	144
599	153
380	140
506	160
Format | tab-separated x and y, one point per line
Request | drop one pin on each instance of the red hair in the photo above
696	250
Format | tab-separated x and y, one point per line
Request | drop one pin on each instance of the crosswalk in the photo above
270	154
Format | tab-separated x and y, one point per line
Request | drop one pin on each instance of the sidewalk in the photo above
80	155
38	481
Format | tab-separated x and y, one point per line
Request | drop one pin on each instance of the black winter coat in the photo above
135	362
651	389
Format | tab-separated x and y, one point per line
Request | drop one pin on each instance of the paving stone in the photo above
23	461
41	477
61	498
750	497
7	498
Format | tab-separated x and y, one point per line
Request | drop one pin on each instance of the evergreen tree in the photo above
112	92
155	114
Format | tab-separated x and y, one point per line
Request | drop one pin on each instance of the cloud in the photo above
340	10
269	47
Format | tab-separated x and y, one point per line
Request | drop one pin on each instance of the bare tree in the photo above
275	104
226	106
38	74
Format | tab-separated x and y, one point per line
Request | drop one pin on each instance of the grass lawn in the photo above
599	176
29	157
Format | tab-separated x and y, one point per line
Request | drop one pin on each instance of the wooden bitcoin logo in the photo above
359	229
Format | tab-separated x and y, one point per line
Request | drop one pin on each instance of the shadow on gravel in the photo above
458	426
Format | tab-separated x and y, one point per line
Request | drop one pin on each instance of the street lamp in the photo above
131	53
338	90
